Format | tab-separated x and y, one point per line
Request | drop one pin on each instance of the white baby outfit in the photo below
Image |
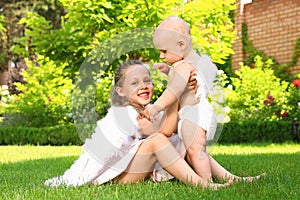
201	113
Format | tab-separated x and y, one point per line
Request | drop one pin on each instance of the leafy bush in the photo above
256	131
45	98
258	94
56	135
233	132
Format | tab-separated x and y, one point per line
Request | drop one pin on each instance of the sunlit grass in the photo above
245	149
23	170
22	153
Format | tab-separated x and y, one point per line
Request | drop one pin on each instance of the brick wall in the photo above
273	27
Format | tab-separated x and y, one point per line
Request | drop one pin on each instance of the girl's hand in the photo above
162	67
146	127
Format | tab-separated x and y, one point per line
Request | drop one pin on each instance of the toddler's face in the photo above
166	42
137	85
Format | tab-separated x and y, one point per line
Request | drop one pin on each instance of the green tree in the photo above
2	42
90	24
211	25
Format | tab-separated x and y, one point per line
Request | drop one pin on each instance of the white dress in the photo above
109	151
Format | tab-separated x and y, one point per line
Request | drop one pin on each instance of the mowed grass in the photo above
23	170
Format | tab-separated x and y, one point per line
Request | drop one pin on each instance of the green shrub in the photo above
258	94
45	98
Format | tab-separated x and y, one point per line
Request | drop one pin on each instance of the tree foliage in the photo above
89	26
88	23
2	41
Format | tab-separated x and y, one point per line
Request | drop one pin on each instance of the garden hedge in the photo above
56	135
232	132
257	131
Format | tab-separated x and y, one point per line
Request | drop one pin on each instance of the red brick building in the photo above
273	27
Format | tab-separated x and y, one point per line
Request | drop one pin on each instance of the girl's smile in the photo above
137	86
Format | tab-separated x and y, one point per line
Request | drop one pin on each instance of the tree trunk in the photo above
3	78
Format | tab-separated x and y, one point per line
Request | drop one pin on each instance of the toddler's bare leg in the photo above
220	173
194	138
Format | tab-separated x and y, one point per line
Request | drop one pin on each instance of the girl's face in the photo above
137	86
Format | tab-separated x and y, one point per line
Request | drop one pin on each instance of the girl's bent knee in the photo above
158	137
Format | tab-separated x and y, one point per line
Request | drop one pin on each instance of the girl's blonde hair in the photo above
116	99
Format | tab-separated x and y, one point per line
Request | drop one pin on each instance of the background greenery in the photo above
87	24
49	41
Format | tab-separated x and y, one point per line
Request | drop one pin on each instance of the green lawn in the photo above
23	170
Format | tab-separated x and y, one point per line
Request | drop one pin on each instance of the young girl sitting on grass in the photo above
125	146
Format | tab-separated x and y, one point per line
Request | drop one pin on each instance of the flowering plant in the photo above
4	94
296	83
272	108
258	94
294	99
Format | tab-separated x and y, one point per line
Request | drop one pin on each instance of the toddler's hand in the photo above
162	67
151	112
193	82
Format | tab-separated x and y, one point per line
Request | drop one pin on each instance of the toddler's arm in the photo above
162	67
170	120
178	80
166	124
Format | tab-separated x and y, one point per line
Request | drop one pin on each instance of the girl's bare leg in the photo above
194	138
158	148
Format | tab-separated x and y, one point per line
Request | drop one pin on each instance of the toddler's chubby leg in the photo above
84	170
194	138
220	173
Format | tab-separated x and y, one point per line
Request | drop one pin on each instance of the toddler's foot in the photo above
216	186
250	179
